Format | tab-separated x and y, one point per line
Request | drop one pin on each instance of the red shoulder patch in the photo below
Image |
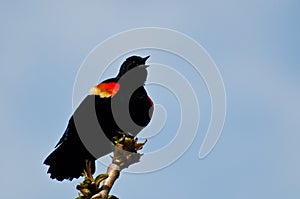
150	100
105	89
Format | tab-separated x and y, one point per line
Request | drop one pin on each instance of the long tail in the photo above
68	160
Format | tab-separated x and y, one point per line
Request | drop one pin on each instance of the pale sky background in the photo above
255	45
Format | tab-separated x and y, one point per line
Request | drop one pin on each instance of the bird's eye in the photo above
132	63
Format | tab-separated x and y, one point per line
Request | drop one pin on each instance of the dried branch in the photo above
125	154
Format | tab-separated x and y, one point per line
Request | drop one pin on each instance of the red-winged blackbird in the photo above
116	106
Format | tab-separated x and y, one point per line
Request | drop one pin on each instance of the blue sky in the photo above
255	45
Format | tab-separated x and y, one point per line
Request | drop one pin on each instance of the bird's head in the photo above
132	62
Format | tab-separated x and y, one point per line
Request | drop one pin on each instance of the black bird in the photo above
114	107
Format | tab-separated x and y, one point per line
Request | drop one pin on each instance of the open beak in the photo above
145	58
143	62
